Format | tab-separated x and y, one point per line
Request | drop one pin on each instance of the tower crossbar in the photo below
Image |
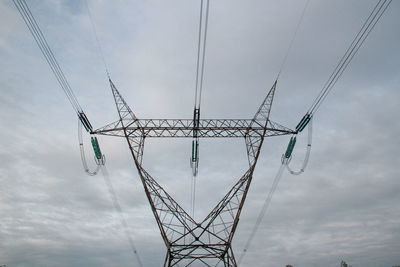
207	242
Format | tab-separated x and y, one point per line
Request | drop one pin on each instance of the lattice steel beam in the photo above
211	128
189	242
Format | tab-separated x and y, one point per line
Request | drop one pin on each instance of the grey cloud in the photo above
343	207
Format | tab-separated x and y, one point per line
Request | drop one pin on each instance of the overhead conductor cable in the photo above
40	40
118	208
355	45
351	51
83	156
282	167
97	39
201	55
293	39
106	176
37	34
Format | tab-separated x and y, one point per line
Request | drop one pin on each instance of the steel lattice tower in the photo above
207	242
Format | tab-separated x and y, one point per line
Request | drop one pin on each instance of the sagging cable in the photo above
351	51
99	160
97	39
264	209
118	208
308	152
48	54
286	157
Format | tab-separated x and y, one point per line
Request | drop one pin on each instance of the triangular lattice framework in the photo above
188	242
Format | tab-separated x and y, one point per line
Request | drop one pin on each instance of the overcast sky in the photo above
344	207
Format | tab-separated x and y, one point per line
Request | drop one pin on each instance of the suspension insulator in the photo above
195	152
96	148
303	123
290	147
85	122
196	122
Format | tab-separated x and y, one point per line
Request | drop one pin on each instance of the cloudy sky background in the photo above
346	206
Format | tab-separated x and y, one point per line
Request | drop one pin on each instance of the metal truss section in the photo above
252	147
261	118
174	223
264	110
207	242
127	117
208	128
194	259
136	145
191	242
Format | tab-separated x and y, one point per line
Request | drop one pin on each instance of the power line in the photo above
201	56
204	53
44	47
307	155
97	39
267	202
357	42
201	50
284	162
198	54
351	51
262	212
294	37
48	54
83	155
118	208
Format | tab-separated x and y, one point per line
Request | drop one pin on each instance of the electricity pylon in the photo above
207	242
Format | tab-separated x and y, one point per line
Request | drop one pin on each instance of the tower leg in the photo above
229	258
167	261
